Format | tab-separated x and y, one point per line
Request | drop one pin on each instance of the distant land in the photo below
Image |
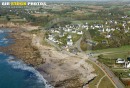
64	0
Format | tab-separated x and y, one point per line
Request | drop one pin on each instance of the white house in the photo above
108	30
108	36
120	61
68	30
115	22
62	34
79	32
69	37
73	31
55	41
127	64
112	29
57	31
51	37
69	42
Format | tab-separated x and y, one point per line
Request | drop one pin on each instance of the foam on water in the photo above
22	66
1	31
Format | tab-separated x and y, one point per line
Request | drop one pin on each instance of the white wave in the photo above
1	52
6	42
1	31
22	66
10	57
4	39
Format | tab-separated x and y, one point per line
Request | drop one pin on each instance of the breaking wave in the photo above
1	31
17	64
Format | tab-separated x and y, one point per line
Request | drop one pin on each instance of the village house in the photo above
69	37
108	36
80	32
51	37
120	61
74	31
69	42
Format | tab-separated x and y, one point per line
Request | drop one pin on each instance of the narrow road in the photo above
109	73
100	81
94	61
53	44
77	44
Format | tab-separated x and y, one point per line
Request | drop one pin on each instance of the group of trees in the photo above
118	39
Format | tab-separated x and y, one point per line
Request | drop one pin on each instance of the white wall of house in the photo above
79	32
50	37
120	61
70	43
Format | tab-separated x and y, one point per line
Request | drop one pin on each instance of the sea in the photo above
15	73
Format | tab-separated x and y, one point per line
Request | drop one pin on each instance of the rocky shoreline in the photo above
60	69
23	49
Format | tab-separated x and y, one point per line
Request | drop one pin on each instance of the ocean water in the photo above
16	74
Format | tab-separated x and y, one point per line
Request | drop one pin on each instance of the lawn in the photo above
109	57
123	73
106	83
75	37
12	18
84	21
100	74
17	20
92	21
115	52
128	12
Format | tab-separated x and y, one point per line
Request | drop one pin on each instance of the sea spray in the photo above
18	64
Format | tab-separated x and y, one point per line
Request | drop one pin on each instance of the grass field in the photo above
100	74
122	52
75	37
105	83
128	12
88	21
123	73
109	57
12	18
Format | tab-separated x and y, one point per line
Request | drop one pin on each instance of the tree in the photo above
8	18
100	56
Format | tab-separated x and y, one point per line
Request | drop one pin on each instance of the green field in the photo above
123	73
121	52
88	21
109	57
100	74
128	12
12	18
105	83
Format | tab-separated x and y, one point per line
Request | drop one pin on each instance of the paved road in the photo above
77	44
117	83
100	81
53	44
109	73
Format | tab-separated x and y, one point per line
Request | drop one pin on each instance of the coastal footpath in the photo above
60	68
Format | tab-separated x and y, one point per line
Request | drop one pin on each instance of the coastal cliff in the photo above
60	68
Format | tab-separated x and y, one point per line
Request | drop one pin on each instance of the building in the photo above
120	61
69	42
79	32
